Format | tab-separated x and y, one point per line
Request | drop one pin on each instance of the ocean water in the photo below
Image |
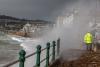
9	49
10	45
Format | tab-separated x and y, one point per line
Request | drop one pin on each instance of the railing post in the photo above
22	54
38	56
47	55
58	46
53	53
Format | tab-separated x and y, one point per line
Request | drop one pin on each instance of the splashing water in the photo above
72	22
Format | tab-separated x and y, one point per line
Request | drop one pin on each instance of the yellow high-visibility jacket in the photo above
88	38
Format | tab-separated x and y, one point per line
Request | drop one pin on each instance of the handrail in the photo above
16	61
11	63
42	60
22	54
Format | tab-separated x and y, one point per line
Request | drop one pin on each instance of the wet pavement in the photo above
71	54
78	58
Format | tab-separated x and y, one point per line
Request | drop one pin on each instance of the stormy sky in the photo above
31	9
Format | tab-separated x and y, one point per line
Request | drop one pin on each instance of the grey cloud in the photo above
30	8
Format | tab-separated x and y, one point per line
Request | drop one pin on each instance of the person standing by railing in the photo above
88	40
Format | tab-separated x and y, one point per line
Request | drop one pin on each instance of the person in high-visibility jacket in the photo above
88	40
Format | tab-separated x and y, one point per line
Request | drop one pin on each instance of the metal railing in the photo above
23	57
